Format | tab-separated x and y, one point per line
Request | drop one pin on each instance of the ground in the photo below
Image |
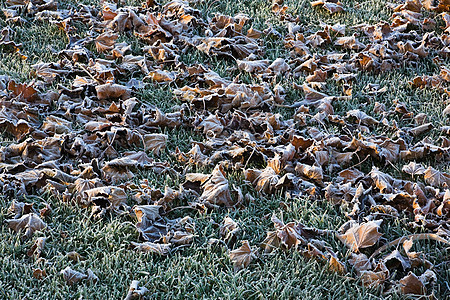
202	270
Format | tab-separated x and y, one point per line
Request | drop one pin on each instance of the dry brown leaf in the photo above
106	41
271	242
331	6
350	175
29	224
39	274
228	230
446	110
279	66
312	172
91	277
155	142
112	91
145	213
413	169
361	235
289	235
20	208
335	264
411	284
382	181
135	292
106	196
362	118
410	238
421	129
212	124
349	42
45	211
242	257
162	76
396	261
263	181
376	277
317	76
74	256
216	190
72	277
37	247
436	178
252	66
360	262
149	247
178	238
444	208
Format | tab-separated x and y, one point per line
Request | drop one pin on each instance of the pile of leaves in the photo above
85	142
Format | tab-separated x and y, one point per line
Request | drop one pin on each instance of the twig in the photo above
87	72
394	166
179	247
179	207
414	237
368	155
251	154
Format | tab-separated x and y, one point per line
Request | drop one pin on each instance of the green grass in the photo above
202	271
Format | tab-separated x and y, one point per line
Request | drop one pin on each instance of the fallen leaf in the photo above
28	223
37	247
376	277
155	142
72	277
242	257
228	230
112	91
39	274
135	292
411	284
216	189
360	262
361	235
149	247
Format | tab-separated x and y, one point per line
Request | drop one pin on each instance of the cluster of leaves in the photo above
85	142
